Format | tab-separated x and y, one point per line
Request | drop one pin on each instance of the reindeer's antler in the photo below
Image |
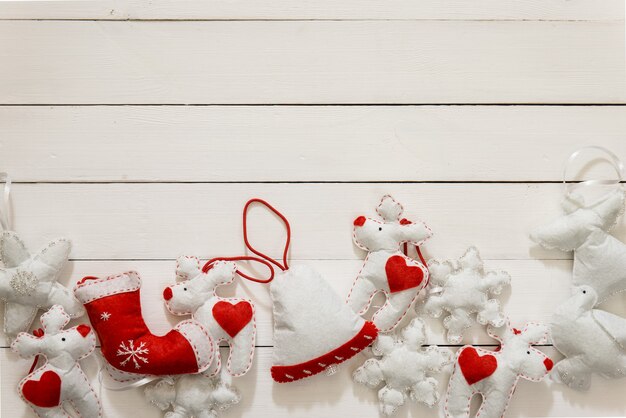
389	209
54	320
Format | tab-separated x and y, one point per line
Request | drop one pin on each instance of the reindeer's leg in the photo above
361	294
494	404
426	391
394	309
458	396
56	412
490	314
88	405
216	365
456	323
574	373
390	400
241	351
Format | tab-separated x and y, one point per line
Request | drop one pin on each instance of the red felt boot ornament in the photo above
132	351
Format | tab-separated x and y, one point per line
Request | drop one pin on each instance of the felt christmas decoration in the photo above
462	288
387	269
60	379
230	320
599	258
314	330
28	282
494	374
592	340
193	395
404	368
131	350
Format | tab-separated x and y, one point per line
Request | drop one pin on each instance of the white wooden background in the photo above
138	129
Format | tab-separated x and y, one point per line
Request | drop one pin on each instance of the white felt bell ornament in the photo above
28	282
591	339
314	330
386	268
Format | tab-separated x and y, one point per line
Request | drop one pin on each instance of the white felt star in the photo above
462	288
28	282
405	368
105	316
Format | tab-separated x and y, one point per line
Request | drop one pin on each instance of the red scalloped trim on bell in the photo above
365	337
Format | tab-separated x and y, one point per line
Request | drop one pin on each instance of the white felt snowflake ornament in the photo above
462	288
29	282
405	368
193	395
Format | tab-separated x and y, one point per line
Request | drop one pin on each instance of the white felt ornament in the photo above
599	258
314	330
28	282
494	374
230	320
193	395
463	288
386	268
404	368
592	340
60	379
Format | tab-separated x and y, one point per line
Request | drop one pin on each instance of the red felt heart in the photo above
232	318
400	276
45	392
474	367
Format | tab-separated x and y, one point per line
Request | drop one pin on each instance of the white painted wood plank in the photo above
319	9
113	221
538	286
310	143
48	62
334	395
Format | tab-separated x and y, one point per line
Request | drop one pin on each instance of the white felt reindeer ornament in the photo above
228	319
463	288
404	367
61	378
28	282
494	374
386	268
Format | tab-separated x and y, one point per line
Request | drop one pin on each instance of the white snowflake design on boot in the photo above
137	354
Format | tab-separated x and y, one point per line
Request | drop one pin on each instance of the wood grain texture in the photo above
86	62
154	221
538	286
317	9
335	395
310	143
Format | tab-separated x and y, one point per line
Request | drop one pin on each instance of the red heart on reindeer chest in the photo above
474	367
45	392
232	318
400	276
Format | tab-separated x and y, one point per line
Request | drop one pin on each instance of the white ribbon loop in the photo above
5	215
615	161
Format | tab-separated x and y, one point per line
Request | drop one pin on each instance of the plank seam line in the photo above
156	182
122	20
423	345
581	104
